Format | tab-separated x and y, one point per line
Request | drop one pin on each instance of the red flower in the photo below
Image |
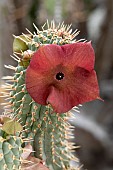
63	76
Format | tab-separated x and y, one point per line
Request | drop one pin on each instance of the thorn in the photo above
74	35
19	101
85	41
24	126
4	93
76	107
18	37
7	84
38	31
18	93
78	111
76	31
7	78
29	31
6	89
58	27
12	80
29	150
47	24
53	24
14	58
57	164
8	106
72	127
100	99
17	54
62	24
17	109
31	102
43	26
13	97
22	85
70	31
10	67
19	120
3	104
73	158
34	34
80	40
26	36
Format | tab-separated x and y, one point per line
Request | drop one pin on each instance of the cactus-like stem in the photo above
10	151
51	143
50	131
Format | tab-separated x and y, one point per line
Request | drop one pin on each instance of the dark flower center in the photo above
59	76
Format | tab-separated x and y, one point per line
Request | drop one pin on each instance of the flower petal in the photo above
46	58
82	88
79	54
37	86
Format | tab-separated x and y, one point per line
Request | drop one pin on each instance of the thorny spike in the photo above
34	34
62	24
76	107
80	40
4	96
43	26
47	24
18	93
6	88
76	31
70	31
7	85
36	28
10	67
26	36
58	27
4	93
74	35
2	104
19	101
31	102
17	109
53	25
7	77
68	27
76	110
14	58
16	55
57	164
85	41
12	80
29	31
10	98
20	39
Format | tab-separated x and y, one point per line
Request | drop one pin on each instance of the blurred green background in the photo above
94	19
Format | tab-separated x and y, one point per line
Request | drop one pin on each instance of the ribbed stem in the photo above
50	131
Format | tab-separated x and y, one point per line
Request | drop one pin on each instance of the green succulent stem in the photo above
47	131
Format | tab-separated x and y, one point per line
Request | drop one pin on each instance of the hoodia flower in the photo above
63	76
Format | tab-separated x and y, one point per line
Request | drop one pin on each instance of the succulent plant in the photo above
10	144
38	102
